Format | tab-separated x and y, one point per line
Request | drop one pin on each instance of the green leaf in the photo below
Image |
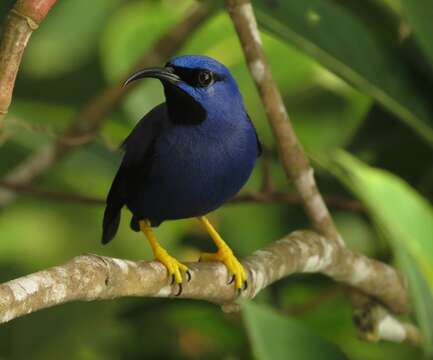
420	14
406	219
343	43
274	336
422	297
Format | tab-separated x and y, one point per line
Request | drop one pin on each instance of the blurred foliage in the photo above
340	40
353	77
419	13
289	340
407	224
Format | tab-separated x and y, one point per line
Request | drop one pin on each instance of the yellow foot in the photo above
226	256
174	268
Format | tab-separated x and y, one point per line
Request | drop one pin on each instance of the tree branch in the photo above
293	158
91	117
22	20
92	277
385	326
374	323
268	197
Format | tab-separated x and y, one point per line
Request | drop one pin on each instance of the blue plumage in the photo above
188	155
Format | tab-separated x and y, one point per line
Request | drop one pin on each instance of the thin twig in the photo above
86	124
92	277
16	125
22	20
268	197
53	195
275	196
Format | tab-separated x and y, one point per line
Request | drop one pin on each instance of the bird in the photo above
185	158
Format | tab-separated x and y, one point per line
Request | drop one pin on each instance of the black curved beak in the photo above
161	73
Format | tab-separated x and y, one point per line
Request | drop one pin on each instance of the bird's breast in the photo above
195	170
207	152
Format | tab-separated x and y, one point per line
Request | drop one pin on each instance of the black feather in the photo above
111	223
115	202
136	164
138	145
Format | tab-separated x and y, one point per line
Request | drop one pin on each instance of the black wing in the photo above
259	144
135	166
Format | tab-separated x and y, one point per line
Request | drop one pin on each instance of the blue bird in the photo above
185	158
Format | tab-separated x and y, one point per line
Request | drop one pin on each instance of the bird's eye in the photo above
205	78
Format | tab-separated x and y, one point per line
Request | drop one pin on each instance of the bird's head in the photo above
195	86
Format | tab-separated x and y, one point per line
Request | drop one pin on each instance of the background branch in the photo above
22	20
53	195
269	196
275	196
293	158
90	118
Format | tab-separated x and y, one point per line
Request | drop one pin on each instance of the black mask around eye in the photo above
200	78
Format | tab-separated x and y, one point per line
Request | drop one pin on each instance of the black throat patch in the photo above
182	108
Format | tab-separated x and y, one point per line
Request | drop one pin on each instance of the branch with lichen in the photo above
92	277
22	20
374	323
88	121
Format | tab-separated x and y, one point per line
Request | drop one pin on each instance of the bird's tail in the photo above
110	223
115	202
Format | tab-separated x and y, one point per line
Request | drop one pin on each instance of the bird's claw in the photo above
239	290
180	290
232	279
226	256
174	269
188	279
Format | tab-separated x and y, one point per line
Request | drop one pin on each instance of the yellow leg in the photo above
174	267
224	255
